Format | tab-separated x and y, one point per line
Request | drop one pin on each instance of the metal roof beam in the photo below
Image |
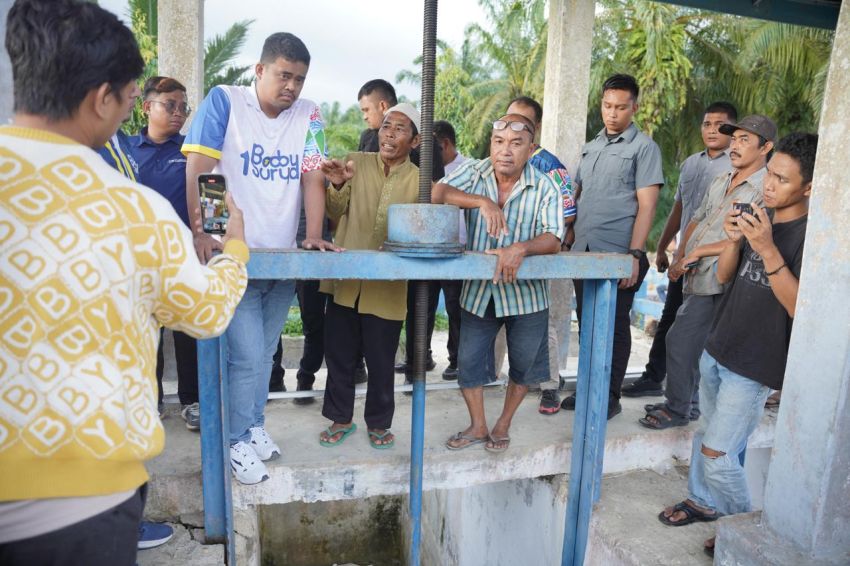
813	13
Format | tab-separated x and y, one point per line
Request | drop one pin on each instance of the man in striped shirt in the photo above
512	211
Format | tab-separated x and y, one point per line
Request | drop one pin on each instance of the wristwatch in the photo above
636	253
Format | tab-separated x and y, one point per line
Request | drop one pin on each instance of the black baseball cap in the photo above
755	124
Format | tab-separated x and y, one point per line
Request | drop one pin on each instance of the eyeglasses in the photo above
515	126
171	107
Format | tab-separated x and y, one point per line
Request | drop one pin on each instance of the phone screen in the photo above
213	209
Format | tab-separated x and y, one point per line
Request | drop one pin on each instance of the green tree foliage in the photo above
453	100
656	46
147	47
512	51
498	61
342	129
219	53
685	59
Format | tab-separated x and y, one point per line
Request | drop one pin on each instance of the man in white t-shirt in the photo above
268	144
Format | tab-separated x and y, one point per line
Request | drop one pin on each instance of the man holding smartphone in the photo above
88	260
747	347
269	144
752	141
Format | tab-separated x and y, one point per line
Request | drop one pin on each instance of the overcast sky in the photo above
350	41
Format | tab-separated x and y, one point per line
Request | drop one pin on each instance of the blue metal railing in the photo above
600	273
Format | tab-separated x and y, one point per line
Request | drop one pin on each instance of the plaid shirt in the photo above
533	208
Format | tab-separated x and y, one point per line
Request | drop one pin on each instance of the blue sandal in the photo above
375	437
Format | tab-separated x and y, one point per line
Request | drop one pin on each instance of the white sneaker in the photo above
263	444
246	465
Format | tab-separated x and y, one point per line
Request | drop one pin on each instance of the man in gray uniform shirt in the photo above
704	240
618	179
697	172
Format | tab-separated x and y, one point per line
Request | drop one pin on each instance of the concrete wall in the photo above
361	531
499	524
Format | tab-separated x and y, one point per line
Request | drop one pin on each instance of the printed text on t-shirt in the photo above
270	167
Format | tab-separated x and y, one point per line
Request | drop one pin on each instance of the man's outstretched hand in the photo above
337	171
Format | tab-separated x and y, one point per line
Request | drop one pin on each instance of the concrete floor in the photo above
296	428
625	530
541	446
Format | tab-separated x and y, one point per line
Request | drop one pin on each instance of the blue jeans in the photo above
252	338
528	347
732	406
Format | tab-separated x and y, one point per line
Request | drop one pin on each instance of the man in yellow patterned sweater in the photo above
91	265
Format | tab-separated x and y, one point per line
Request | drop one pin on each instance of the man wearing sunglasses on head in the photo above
512	211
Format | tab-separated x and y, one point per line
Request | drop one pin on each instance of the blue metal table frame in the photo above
600	273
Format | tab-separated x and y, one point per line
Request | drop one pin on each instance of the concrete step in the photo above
185	547
625	531
541	446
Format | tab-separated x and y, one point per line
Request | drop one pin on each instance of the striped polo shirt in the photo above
533	208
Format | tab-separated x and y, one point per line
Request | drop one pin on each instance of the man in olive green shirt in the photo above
367	315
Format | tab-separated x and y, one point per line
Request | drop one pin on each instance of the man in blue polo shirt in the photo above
156	150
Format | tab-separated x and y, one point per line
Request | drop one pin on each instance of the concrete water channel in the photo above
349	505
600	271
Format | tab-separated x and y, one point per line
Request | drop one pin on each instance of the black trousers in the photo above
433	299
451	292
656	367
622	329
312	304
186	356
350	333
107	539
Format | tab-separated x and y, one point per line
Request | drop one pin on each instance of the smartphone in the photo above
692	265
743	207
214	215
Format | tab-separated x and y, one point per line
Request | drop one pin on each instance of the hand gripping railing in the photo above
599	272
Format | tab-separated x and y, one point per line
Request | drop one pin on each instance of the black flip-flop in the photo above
663	420
655	406
692	515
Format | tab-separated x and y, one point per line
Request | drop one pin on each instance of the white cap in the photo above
408	110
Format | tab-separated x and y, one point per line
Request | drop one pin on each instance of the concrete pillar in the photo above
806	515
6	97
180	37
564	122
567	79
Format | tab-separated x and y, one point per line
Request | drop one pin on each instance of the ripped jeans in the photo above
732	406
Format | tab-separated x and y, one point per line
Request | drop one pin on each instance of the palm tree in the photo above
220	52
513	54
685	59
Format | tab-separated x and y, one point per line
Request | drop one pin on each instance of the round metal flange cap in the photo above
424	250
